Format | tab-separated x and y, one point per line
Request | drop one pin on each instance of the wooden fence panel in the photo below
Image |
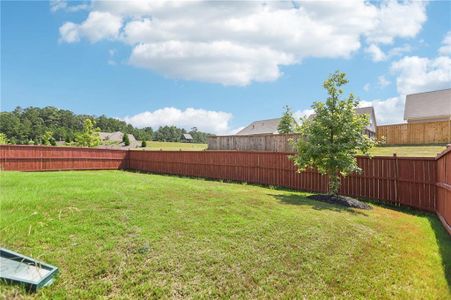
416	133
423	183
41	158
444	188
403	181
267	143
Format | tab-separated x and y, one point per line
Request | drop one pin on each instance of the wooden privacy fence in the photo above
266	142
43	158
443	205
406	181
416	133
422	183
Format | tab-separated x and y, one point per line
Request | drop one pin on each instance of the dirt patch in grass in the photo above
340	200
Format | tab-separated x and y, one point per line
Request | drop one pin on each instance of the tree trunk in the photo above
334	183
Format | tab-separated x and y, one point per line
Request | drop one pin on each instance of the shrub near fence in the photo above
422	183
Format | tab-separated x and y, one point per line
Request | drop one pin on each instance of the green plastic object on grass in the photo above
19	269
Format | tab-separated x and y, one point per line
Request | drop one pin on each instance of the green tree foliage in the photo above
47	138
3	139
168	134
22	125
125	139
174	134
89	137
144	144
199	137
333	138
286	124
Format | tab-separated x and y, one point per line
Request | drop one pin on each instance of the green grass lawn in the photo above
419	151
127	235
415	151
154	145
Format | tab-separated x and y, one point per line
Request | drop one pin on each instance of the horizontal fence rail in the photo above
422	183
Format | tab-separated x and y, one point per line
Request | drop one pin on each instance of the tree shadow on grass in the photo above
294	199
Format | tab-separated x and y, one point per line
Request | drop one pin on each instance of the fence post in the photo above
396	179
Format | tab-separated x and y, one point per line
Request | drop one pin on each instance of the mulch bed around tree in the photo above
340	200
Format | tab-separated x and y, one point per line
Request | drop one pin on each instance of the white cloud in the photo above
382	81
205	120
234	64
397	19
399	50
414	74
387	111
57	5
420	74
445	50
111	57
98	26
366	87
303	113
236	43
376	53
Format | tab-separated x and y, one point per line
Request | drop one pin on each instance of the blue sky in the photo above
218	66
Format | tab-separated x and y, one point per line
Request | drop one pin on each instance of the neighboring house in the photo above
370	130
186	137
261	127
428	107
116	138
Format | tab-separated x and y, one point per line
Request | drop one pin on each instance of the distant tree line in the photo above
48	125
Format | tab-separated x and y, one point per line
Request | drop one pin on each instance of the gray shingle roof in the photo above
261	127
369	110
428	105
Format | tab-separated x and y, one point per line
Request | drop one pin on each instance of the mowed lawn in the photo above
411	151
155	145
416	151
128	235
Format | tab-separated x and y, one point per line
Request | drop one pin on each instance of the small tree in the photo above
3	139
286	124
331	140
47	137
90	136
144	144
125	139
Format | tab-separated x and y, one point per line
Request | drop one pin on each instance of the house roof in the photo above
187	136
369	110
115	136
428	105
261	127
